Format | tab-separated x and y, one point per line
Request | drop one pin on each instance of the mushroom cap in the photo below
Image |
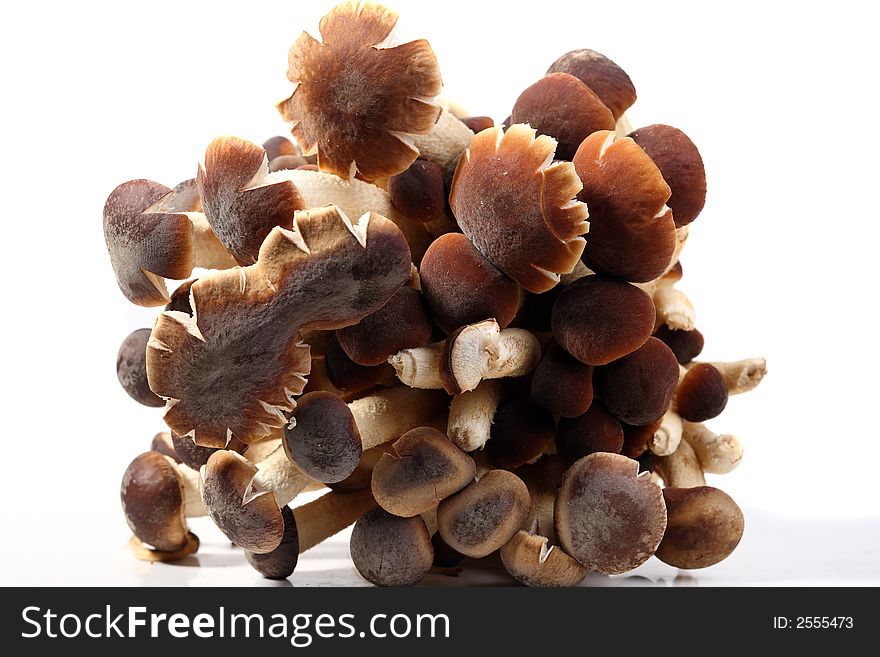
400	324
529	559
702	393
146	244
705	525
521	432
236	364
249	518
632	233
638	388
242	203
324	440
280	146
636	439
594	431
131	368
189	453
562	384
607	516
419	193
478	123
424	468
516	205
484	516
280	562
356	99
163	444
287	162
343	372
605	78
598	319
153	502
681	165
686	345
388	550
561	106
462	287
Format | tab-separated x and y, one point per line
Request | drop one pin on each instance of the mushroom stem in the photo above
673	306
330	514
388	414
623	126
277	473
471	413
430	518
717	454
208	251
667	437
192	497
681	469
446	141
742	375
543	479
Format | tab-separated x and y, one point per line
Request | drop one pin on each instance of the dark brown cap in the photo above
280	562
163	444
153	502
521	432
418	193
636	439
701	394
388	550
478	123
530	560
279	146
288	162
131	368
686	345
343	373
562	384
189	453
607	80
594	431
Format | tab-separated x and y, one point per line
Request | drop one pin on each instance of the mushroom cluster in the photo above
470	335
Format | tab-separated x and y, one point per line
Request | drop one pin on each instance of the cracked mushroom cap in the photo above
530	560
638	388
607	516
632	232
358	98
280	562
562	384
561	106
388	550
234	367
705	525
324	440
605	78
598	319
153	502
241	200
131	368
484	516
462	287
594	431
424	468
146	243
681	165
517	205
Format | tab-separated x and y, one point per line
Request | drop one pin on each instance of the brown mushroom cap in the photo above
529	559
249	518
241	203
280	562
399	324
702	393
324	441
237	363
153	502
598	319
594	431
606	79
562	384
424	468
607	517
343	373
355	99
131	368
638	388
478	123
636	439
681	165
279	146
163	444
189	453
686	345
146	244
521	432
632	233
388	550
515	204
561	106
484	516
419	193
462	287
288	162
705	525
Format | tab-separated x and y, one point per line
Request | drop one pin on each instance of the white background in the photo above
781	99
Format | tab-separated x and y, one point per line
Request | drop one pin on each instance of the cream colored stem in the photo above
742	375
192	496
328	515
623	126
388	414
471	414
673	307
681	469
667	437
717	454
209	252
445	143
419	367
279	474
430	518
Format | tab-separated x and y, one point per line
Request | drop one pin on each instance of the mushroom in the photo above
484	516
163	444
194	456
681	165
478	123
419	192
598	319
470	355
717	454
608	516
444	143
740	376
346	375
280	146
131	368
638	388
561	106
471	414
521	432
686	345
704	526
605	78
529	559
328	515
562	384
542	478
667	436
423	468
680	469
632	234
461	287
388	550
674	308
517	206
701	393
402	323
636	439
358	99
234	367
594	431
280	562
